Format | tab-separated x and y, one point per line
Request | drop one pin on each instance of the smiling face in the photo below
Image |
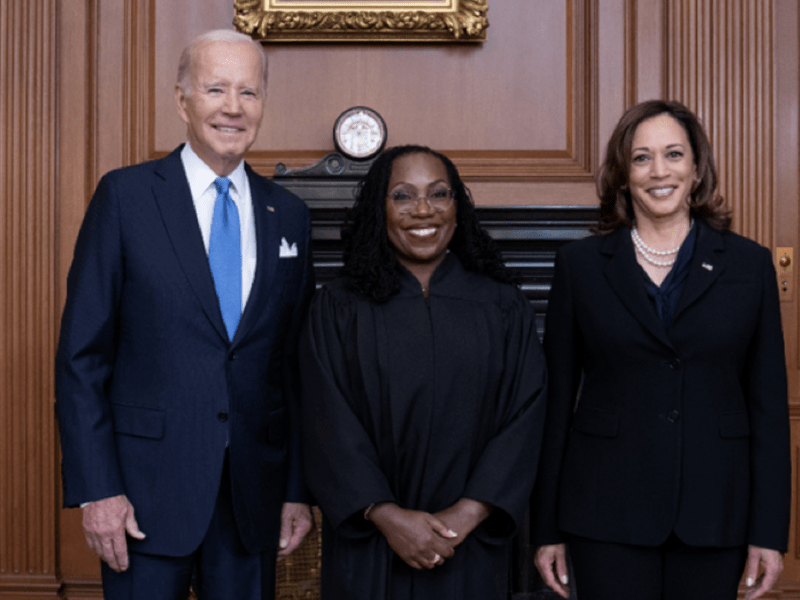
224	103
662	170
419	237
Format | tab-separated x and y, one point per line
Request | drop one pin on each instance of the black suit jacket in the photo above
148	387
649	430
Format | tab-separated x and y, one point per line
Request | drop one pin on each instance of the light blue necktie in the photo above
225	256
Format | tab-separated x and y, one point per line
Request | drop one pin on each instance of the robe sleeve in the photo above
506	470
342	466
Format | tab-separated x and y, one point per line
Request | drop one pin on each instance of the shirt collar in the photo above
201	176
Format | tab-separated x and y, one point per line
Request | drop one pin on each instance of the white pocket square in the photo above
287	251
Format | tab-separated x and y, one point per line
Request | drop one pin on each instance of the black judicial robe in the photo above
421	403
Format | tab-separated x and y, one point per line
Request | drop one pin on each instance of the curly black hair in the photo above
370	264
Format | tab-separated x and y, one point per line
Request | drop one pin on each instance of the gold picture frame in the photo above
362	20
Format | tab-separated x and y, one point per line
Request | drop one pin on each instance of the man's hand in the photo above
105	523
296	522
771	560
421	539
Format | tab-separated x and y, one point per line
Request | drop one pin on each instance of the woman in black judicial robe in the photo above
423	394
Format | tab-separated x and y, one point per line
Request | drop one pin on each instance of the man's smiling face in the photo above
223	104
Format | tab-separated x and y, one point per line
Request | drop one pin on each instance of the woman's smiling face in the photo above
662	171
421	235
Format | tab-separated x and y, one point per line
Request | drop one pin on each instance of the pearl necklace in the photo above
644	250
643	253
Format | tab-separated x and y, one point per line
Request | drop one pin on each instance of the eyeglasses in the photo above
439	199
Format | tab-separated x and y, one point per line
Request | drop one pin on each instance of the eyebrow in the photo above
646	149
415	187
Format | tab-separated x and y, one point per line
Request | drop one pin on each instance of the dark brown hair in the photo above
616	208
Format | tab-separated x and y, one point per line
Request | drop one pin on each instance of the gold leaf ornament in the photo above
467	22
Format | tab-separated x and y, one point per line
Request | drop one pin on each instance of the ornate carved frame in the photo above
362	21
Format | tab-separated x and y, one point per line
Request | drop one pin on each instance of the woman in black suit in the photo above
666	462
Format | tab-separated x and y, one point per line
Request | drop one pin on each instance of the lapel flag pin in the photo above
270	209
707	266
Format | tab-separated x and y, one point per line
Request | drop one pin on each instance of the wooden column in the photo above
720	64
27	304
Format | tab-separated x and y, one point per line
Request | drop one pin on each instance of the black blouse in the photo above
666	296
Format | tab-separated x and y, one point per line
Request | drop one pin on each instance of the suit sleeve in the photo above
296	490
563	349
766	388
85	355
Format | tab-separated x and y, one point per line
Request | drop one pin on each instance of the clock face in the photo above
359	133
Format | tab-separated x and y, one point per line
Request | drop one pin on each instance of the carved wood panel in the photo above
720	64
27	304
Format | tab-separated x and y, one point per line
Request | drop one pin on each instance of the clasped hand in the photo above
424	540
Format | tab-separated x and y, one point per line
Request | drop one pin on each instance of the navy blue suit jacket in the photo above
650	430
148	387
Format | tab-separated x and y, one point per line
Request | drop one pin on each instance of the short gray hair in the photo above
216	35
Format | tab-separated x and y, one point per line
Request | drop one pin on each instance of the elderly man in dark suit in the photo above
175	374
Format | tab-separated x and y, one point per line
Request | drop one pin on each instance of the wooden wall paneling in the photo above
110	65
106	61
138	83
650	46
462	90
720	64
614	78
631	24
27	160
788	176
787	227
574	161
77	169
122	83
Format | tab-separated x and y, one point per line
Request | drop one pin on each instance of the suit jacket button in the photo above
223	416
673	416
232	356
675	363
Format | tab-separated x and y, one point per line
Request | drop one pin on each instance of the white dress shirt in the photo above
204	195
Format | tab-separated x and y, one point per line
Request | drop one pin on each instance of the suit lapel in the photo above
623	274
180	219
267	242
708	263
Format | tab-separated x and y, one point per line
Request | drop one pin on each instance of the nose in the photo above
658	168
422	206
233	104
